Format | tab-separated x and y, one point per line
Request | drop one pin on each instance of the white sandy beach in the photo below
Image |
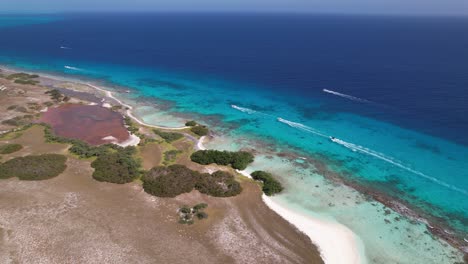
337	243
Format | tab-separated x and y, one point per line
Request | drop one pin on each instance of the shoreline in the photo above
458	245
327	236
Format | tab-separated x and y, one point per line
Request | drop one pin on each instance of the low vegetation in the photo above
200	130
19	120
170	156
191	123
23	78
10	148
188	214
168	136
177	179
218	184
131	127
57	96
34	168
169	181
270	185
116	166
238	160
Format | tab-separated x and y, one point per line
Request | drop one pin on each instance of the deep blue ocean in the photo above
393	90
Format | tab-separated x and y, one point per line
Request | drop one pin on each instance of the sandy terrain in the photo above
75	219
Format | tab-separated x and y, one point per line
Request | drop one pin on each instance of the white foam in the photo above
129	110
72	68
301	127
66	48
244	109
350	97
395	162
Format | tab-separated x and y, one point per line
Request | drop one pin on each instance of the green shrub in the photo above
171	155
200	130
131	127
168	136
270	185
218	184
191	123
22	75
200	206
238	160
116	167
10	148
26	81
55	95
33	168
201	215
177	179
169	181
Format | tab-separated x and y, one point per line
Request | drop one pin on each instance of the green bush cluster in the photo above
200	130
238	160
187	214
34	168
168	136
170	156
19	120
131	127
218	184
22	75
23	78
270	185
56	95
80	148
177	179
116	167
191	123
10	148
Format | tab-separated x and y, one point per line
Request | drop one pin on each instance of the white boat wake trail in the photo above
249	111
350	97
72	68
301	127
397	163
243	109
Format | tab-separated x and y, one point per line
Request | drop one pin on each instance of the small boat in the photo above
334	139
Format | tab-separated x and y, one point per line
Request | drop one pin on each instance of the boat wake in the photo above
301	127
244	109
72	68
65	48
381	156
350	97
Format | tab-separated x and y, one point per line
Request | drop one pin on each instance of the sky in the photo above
403	7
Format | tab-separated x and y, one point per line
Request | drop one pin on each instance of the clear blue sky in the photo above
421	7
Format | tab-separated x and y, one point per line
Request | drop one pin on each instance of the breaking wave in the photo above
301	127
397	163
350	97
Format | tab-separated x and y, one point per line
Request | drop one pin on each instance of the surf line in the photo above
390	160
130	108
